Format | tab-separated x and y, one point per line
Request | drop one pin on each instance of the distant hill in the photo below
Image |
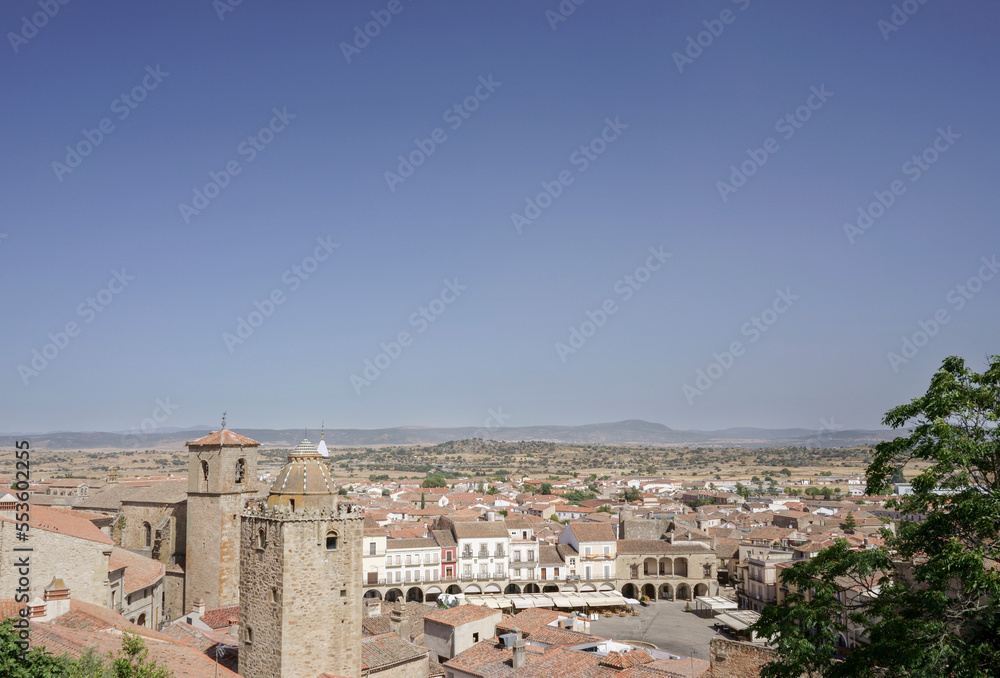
629	432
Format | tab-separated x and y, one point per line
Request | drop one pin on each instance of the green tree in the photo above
35	662
785	472
423	500
132	660
930	600
631	494
848	524
434	481
546	488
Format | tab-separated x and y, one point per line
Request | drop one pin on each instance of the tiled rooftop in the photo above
463	614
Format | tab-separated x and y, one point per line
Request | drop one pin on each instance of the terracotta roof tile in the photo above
183	661
218	617
591	532
626	660
140	571
382	651
64	522
224	438
480	530
456	616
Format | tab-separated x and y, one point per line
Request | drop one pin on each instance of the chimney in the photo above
397	620
56	598
199	606
373	607
234	626
36	609
520	654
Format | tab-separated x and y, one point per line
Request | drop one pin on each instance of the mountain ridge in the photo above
626	432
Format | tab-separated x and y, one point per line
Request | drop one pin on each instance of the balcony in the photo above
467	555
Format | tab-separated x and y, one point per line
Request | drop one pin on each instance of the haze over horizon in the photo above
609	301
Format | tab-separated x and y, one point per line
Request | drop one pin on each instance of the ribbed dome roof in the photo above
304	479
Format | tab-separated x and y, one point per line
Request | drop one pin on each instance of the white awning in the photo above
631	601
738	620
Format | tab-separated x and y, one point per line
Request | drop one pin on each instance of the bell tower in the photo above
301	568
222	474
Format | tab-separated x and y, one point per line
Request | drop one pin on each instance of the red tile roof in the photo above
183	661
456	616
218	617
223	438
591	532
64	522
382	651
626	660
140	571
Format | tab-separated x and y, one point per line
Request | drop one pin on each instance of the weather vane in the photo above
224	419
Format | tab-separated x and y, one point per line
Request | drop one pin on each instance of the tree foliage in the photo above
131	661
930	603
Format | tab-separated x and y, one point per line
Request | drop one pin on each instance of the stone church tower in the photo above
222	475
301	567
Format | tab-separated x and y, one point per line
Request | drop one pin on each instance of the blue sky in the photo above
318	173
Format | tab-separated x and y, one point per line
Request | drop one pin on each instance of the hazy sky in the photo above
122	285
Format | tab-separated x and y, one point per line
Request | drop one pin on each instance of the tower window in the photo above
261	538
241	468
331	541
204	469
249	636
147	535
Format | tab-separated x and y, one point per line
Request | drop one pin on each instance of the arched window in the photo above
248	640
291	503
261	538
331	542
204	469
147	535
241	469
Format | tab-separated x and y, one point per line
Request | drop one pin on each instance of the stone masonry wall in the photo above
735	659
82	564
315	626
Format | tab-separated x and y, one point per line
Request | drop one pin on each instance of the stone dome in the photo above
304	482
